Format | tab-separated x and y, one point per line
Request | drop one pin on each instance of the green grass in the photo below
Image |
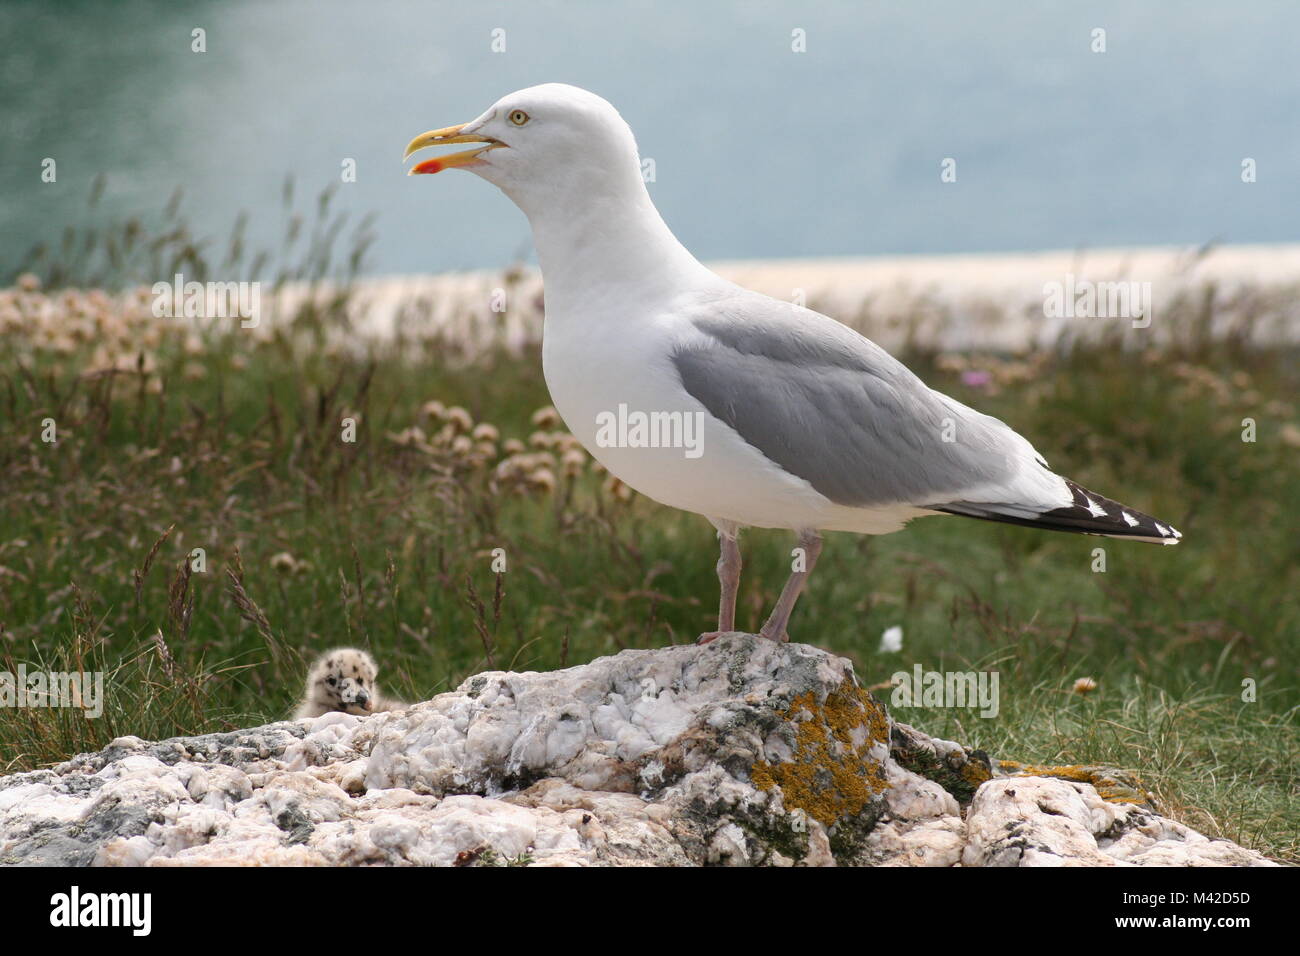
390	547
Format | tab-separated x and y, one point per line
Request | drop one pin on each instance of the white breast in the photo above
607	369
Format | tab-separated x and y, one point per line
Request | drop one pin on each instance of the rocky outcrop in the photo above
742	751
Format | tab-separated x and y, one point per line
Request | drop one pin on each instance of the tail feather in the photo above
1090	514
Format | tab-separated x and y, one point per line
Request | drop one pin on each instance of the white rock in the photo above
740	752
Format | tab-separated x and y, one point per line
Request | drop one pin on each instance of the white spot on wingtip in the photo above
1094	509
1164	532
1129	519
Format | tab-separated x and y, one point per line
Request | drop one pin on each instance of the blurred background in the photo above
760	151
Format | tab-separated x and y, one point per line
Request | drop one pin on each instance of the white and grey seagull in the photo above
803	423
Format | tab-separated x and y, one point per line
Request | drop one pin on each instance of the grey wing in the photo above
832	407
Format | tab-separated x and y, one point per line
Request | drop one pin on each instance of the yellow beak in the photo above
445	137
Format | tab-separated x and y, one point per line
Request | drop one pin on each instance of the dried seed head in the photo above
573	461
460	418
284	562
543	478
1084	685
546	417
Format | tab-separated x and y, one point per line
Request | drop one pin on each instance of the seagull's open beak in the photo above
447	136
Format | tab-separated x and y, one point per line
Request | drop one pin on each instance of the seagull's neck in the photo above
606	238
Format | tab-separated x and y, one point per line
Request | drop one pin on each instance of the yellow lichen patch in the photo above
974	772
1111	785
832	775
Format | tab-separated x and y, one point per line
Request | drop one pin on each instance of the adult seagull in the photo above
714	399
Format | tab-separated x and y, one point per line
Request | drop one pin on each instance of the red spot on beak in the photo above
428	166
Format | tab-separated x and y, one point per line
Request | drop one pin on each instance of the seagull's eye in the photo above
518	117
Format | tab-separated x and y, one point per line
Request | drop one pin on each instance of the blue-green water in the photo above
760	151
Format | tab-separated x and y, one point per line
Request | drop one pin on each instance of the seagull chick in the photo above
344	680
711	398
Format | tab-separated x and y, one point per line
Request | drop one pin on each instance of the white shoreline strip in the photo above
986	301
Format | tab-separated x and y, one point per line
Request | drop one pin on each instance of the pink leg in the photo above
775	628
729	579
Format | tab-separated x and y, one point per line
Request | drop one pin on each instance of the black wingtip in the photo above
1091	513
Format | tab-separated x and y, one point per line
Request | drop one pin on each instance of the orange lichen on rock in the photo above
975	772
1114	786
832	774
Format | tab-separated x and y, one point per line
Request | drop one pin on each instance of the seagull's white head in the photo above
542	145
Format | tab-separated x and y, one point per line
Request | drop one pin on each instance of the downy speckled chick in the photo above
344	680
